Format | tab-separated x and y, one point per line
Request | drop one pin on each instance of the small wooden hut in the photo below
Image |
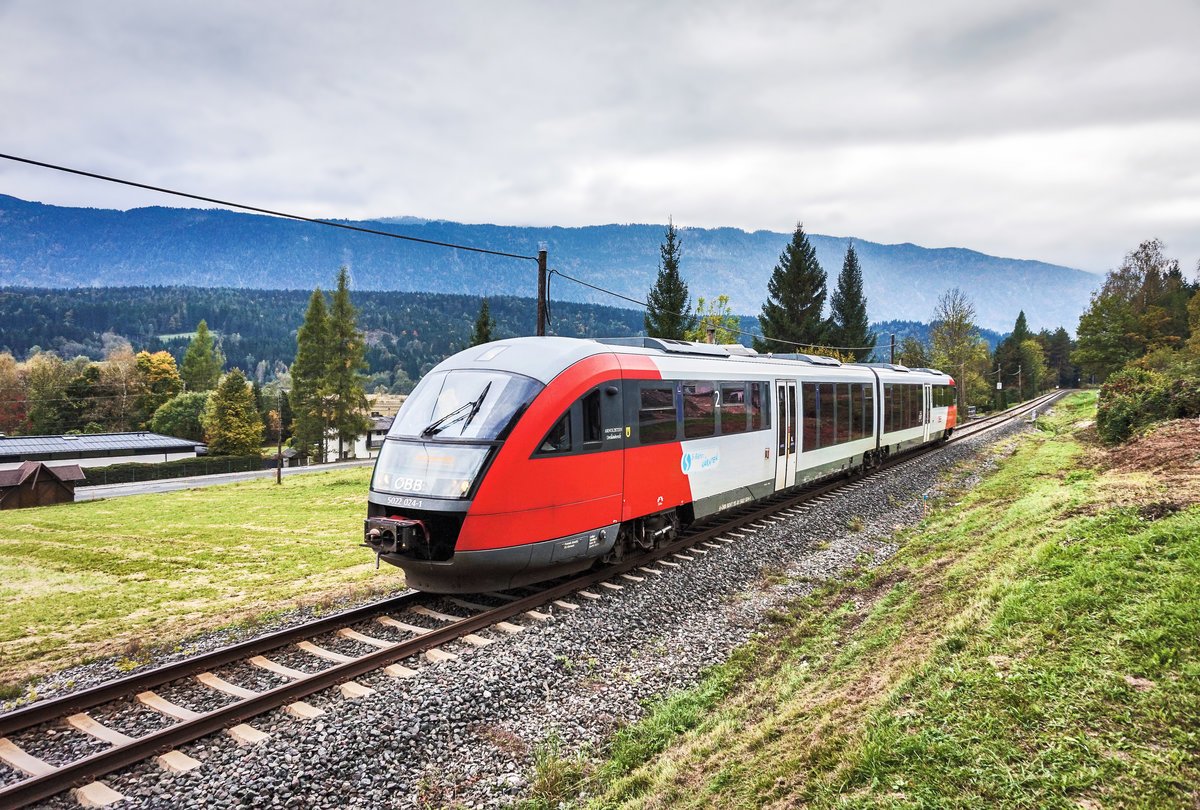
35	484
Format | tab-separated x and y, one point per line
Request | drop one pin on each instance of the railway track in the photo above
391	636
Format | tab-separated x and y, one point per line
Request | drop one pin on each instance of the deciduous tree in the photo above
718	315
668	307
181	416
231	421
957	347
791	316
159	382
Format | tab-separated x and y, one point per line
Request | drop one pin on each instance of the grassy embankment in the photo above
1035	643
97	578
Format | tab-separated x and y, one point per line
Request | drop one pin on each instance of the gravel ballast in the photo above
463	732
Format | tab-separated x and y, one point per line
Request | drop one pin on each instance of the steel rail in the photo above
44	711
93	767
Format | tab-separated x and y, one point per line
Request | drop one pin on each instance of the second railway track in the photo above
393	641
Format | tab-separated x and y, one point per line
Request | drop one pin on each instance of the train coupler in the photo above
393	535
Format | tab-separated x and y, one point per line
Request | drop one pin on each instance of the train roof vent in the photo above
738	350
931	371
891	366
669	345
812	359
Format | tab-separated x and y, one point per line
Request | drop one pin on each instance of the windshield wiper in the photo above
467	410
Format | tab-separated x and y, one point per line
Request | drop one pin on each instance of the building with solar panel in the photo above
94	449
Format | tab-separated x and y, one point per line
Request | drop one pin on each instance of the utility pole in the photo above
999	383
279	438
893	360
1020	394
541	302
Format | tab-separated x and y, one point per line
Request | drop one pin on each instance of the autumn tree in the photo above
850	328
956	347
791	316
668	307
718	315
13	417
484	326
202	362
231	421
1143	305
345	381
160	381
307	397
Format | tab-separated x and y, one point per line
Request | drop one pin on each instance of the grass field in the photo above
1034	643
96	578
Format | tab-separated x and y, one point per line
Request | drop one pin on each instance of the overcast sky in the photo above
1065	132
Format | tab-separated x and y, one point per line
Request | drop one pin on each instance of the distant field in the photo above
103	577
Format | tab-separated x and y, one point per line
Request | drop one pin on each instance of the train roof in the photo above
544	358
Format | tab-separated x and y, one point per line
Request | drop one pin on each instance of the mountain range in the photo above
62	247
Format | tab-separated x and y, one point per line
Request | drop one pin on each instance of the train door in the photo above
927	412
785	434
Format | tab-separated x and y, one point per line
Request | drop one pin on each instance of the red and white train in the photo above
529	458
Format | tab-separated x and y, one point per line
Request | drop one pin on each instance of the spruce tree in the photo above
851	329
484	325
231	421
347	360
668	308
202	362
796	294
308	379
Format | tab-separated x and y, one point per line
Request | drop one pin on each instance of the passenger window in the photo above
827	411
758	413
699	410
656	415
592	433
812	424
733	408
558	440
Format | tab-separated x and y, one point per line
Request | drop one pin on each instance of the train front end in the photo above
452	501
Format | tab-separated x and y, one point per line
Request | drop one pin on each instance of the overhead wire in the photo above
645	305
259	210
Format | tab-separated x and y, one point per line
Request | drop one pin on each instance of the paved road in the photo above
170	484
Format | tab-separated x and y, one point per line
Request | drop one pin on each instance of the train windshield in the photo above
464	404
423	469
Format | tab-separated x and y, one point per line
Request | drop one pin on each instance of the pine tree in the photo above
308	377
231	421
851	328
347	360
202	362
484	326
791	316
668	308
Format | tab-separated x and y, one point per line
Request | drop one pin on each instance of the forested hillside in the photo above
50	246
407	333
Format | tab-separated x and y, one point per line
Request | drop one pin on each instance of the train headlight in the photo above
464	486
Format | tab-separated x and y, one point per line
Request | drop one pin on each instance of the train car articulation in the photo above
530	458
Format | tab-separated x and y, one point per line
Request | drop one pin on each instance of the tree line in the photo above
1140	338
793	320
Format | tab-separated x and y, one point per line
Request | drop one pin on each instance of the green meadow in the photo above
120	576
1034	643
